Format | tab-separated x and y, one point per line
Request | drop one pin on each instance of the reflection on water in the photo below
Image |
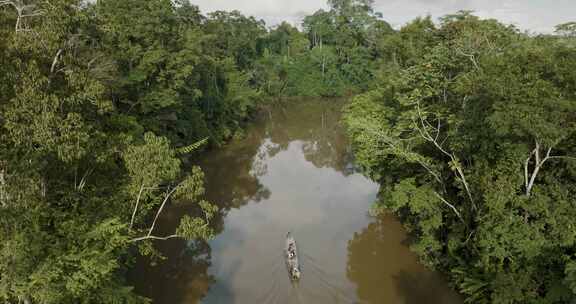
292	172
184	279
385	271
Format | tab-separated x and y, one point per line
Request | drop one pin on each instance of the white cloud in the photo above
533	15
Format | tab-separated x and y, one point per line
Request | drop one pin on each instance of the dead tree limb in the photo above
539	161
55	61
136	206
451	207
3	196
166	198
422	126
23	10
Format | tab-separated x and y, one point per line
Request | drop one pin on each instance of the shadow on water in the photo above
423	288
184	280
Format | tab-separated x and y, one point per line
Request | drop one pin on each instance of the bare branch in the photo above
547	155
426	135
420	130
537	166
537	152
451	207
93	60
437	130
469	237
136	207
82	183
151	237
22	11
3	195
168	195
526	163
394	146
471	57
464	101
436	176
37	13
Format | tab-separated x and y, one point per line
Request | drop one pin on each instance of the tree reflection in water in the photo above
184	280
386	271
231	178
318	128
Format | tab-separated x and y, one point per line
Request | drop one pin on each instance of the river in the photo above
293	171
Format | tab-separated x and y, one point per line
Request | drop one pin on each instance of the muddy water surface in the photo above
293	172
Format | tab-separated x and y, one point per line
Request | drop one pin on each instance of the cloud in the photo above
533	15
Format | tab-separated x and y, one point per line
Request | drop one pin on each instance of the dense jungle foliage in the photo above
472	133
469	126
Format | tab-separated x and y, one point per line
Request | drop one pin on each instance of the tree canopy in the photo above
473	142
468	124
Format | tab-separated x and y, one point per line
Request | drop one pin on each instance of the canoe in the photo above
291	255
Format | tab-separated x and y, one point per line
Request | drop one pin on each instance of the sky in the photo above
538	16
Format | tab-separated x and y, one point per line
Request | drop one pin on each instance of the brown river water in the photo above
293	171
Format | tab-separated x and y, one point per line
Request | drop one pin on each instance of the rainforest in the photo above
154	153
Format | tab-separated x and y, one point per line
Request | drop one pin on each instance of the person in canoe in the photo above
291	252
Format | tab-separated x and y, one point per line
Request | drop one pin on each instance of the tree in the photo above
65	229
473	142
567	29
151	166
320	28
236	36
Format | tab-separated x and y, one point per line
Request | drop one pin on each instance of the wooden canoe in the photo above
291	255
